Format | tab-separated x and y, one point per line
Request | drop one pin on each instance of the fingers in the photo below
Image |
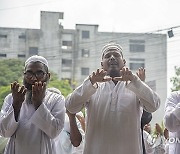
118	79
81	119
141	73
100	72
99	76
23	90
39	86
15	86
126	75
106	78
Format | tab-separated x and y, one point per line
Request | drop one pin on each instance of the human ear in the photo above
49	75
124	61
102	64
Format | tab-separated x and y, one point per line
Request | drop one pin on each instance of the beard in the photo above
28	96
27	85
114	73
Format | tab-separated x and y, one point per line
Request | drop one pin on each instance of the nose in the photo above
34	78
112	57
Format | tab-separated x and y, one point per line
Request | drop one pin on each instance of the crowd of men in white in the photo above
39	120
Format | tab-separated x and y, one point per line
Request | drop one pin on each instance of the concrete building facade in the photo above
74	53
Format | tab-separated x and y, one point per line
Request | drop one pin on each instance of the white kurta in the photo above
148	142
113	115
63	142
172	121
35	130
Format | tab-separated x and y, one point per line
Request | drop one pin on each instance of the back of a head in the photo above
146	118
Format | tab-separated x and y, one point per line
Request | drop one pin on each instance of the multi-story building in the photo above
74	53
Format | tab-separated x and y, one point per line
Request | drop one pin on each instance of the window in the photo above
137	45
84	71
33	50
85	53
136	63
136	66
66	44
21	56
3	55
22	36
85	34
66	62
3	36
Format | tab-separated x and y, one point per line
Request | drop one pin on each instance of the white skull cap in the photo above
111	46
36	58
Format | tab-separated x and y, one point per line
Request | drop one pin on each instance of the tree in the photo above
176	79
63	85
4	91
10	70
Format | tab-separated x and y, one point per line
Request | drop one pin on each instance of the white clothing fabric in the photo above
167	147
148	142
63	142
113	115
159	145
172	121
35	130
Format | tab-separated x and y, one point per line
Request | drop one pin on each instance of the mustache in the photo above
29	85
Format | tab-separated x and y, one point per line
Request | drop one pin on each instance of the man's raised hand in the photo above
99	76
38	93
141	74
18	94
125	75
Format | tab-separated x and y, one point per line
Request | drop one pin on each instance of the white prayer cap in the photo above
36	58
112	46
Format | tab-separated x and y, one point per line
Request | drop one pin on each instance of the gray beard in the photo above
28	97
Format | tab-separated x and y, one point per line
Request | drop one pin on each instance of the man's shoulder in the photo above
8	97
175	94
54	93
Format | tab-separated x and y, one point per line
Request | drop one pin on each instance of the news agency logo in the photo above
174	140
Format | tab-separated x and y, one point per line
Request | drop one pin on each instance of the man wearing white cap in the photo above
31	116
114	98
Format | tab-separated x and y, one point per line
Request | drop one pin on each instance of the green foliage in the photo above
4	91
10	71
62	85
176	79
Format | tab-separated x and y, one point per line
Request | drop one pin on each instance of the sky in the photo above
111	16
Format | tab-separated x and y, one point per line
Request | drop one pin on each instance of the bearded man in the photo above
31	116
114	98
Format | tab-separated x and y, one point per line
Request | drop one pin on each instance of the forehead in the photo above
33	66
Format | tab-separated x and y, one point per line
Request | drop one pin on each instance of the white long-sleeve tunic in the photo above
172	121
35	130
113	115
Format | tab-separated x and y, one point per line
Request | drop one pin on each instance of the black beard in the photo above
27	85
114	73
28	97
